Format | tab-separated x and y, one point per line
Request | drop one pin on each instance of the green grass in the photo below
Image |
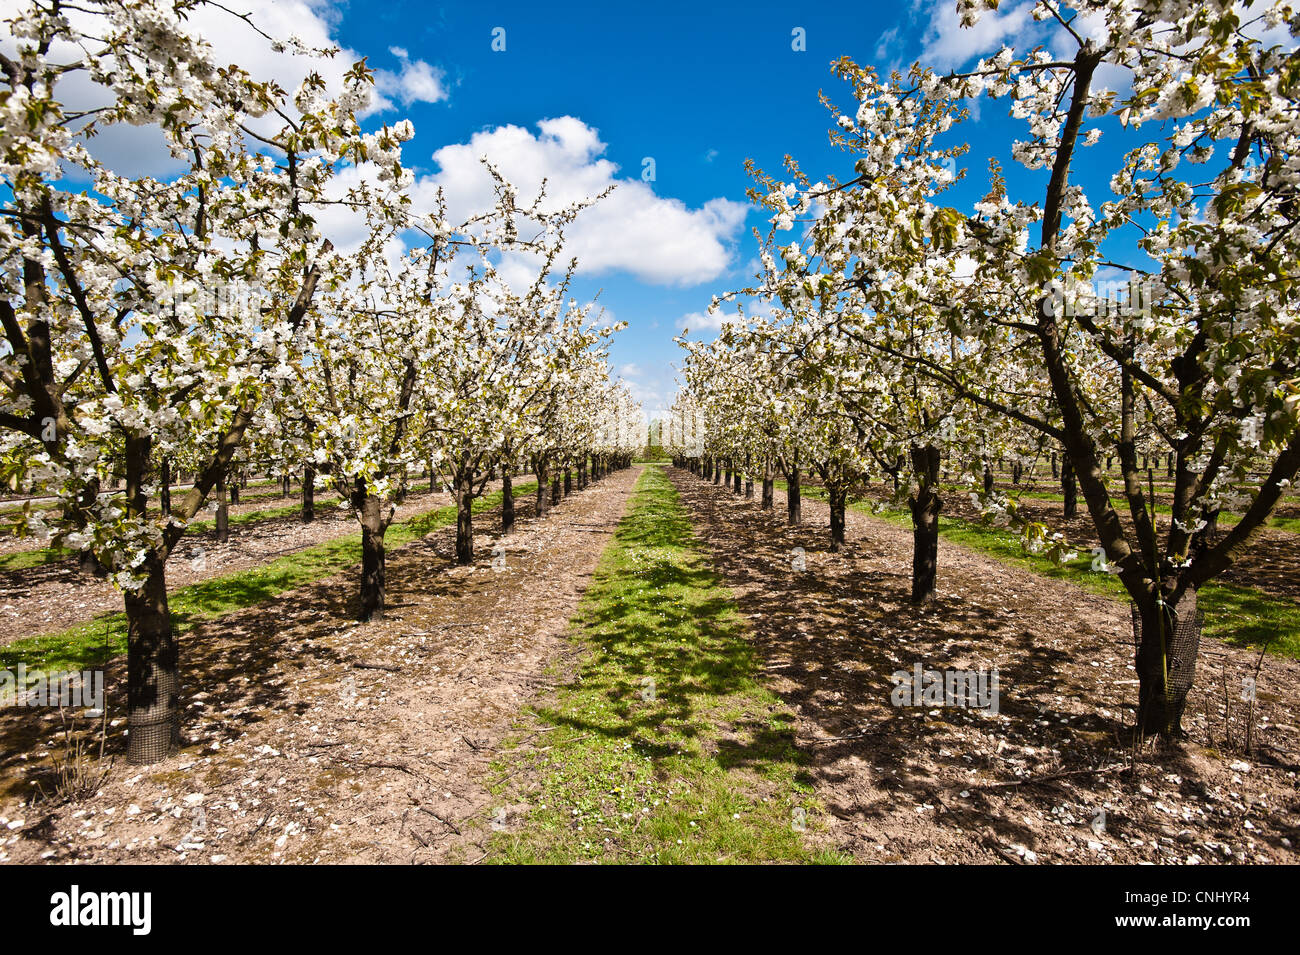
86	644
38	557
702	770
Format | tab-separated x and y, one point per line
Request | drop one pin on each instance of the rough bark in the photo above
308	495
373	527
839	503
541	470
1069	488
223	512
925	505
165	486
152	654
1160	706
153	672
464	489
793	500
507	501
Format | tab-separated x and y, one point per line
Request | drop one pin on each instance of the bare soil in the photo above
311	738
949	784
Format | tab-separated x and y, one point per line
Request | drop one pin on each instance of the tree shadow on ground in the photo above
833	636
237	666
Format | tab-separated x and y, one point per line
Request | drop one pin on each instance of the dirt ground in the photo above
314	739
55	596
1031	783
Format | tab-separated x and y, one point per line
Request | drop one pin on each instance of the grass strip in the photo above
91	643
667	748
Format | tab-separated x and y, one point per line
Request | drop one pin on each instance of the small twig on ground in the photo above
398	766
446	822
835	739
1051	777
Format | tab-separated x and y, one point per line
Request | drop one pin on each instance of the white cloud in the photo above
947	44
890	51
703	321
657	239
416	82
652	397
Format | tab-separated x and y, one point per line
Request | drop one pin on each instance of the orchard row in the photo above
286	303
1149	325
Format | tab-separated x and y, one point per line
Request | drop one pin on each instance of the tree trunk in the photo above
568	482
1056	468
988	478
556	489
839	499
153	712
165	486
543	487
507	501
152	658
308	495
373	527
1161	699
793	502
465	517
769	487
223	512
737	479
925	523
234	493
1069	488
